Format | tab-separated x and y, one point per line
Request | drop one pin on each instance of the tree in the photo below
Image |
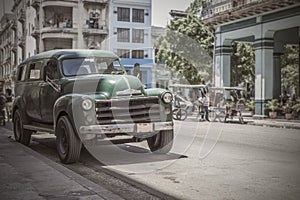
289	70
243	66
187	47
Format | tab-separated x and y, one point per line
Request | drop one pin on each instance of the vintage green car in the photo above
83	96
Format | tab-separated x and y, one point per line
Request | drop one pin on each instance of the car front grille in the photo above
131	110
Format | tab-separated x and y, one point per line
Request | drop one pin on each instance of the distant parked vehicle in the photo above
227	103
186	100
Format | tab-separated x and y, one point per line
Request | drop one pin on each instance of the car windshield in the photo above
87	66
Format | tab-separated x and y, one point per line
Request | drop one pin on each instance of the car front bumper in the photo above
138	128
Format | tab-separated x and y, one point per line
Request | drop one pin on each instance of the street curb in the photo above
285	126
263	123
89	185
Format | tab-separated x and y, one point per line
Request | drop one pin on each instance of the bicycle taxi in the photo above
227	103
186	100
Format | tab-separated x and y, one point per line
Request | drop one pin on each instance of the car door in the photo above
50	90
32	90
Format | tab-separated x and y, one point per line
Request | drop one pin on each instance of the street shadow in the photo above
110	154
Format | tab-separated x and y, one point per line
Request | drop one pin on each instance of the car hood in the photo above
109	86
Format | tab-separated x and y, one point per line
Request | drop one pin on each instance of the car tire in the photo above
21	135
67	142
161	142
179	114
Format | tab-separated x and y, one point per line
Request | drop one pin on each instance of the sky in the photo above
160	9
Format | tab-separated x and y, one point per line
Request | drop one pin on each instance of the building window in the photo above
123	34
137	35
138	15
123	14
123	53
138	54
94	19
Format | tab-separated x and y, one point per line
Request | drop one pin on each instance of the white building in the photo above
70	24
6	46
130	35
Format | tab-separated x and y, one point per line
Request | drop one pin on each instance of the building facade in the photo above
7	57
215	7
41	25
130	36
70	24
122	26
269	26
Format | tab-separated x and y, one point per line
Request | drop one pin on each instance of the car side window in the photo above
21	73
51	69
34	71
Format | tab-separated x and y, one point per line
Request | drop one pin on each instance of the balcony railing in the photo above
102	30
245	10
95	1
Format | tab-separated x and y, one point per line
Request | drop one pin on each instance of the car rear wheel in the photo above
21	135
161	142
67	142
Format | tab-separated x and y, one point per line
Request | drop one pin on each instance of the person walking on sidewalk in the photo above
9	102
2	108
204	100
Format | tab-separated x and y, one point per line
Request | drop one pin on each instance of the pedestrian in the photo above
2	107
9	102
205	103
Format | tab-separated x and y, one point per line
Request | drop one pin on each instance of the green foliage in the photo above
251	105
187	47
272	105
296	106
288	107
289	71
243	65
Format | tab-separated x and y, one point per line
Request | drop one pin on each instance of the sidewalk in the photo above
25	174
279	123
267	122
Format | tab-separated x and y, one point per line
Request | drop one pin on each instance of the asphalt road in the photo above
208	161
216	161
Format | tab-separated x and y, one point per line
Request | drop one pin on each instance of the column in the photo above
277	75
78	16
41	22
264	73
222	65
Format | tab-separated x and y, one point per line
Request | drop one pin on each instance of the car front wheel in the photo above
21	135
161	142
67	142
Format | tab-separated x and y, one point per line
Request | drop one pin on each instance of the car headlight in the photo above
167	97
87	104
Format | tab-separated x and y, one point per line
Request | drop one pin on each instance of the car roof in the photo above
71	53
